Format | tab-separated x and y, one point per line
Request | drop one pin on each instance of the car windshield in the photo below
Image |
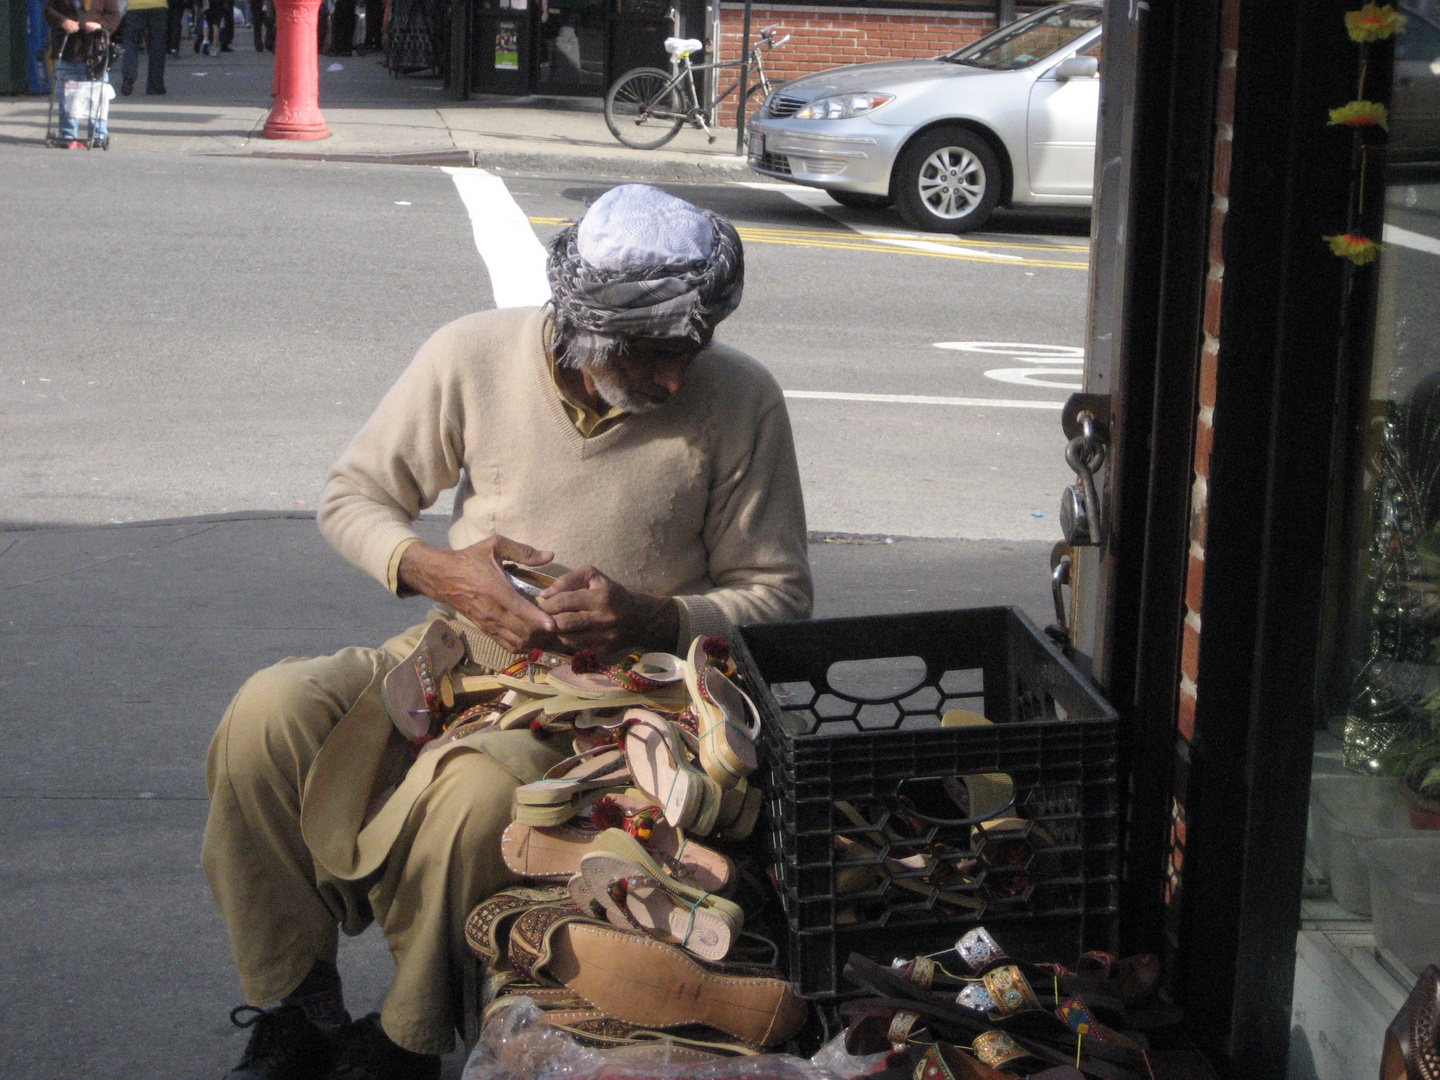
1029	40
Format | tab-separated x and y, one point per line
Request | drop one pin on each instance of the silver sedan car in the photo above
1006	121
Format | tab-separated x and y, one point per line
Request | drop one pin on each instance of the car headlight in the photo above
842	106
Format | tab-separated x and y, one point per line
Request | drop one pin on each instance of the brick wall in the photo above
1189	689
828	37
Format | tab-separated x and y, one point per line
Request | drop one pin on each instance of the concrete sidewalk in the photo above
122	645
218	105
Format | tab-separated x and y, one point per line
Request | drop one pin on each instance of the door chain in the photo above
1081	518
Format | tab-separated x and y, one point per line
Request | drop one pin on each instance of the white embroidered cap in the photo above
635	226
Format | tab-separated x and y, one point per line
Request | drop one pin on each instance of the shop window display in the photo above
1371	918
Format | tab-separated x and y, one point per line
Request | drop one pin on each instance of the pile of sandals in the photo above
625	930
975	1013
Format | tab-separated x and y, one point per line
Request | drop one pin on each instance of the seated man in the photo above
603	431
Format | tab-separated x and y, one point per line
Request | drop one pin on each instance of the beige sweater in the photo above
699	499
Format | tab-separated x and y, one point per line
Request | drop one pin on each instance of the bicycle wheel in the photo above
643	110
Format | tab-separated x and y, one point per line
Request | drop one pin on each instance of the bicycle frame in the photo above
699	116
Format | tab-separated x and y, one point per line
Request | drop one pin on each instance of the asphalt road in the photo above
189	335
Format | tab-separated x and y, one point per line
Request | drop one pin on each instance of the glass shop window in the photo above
1371	917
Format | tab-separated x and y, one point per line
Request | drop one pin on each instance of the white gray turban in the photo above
642	263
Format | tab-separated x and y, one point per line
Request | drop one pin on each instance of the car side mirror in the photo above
1077	67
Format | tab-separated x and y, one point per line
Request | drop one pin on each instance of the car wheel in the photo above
947	180
859	200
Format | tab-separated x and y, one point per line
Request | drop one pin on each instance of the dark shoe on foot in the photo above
284	1045
156	92
368	1054
127	87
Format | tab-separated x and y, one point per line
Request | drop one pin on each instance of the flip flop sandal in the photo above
557	796
651	673
412	687
687	797
740	804
554	854
663	986
865	876
633	890
727	744
739	811
547	709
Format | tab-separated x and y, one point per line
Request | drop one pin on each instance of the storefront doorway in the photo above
572	48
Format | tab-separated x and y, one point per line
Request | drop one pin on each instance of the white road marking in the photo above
1019	350
805	196
1071	357
513	254
902	240
1415	241
922	399
818	199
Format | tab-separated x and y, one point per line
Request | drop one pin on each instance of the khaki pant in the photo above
283	910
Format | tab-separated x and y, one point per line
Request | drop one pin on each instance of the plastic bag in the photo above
833	1060
87	100
517	1044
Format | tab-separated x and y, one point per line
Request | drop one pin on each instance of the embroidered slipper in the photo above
651	673
412	687
659	767
727	744
554	854
633	890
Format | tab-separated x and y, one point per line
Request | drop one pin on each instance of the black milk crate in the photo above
856	762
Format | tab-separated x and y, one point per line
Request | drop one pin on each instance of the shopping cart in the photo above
86	100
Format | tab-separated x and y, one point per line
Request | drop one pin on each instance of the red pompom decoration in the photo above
716	648
607	813
585	662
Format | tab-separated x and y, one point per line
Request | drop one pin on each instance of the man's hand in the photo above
69	26
593	612
472	582
92	26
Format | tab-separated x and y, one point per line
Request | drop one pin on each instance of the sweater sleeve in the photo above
755	535
406	454
108	15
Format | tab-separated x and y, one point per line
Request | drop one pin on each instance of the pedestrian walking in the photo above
145	19
214	23
262	24
78	30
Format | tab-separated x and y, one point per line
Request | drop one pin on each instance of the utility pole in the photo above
744	82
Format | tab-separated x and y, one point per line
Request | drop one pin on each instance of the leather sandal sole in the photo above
554	854
656	904
663	987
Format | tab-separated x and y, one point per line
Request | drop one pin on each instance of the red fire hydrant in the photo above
296	112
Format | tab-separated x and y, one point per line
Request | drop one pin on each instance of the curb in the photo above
532	162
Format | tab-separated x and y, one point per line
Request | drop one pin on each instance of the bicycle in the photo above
665	102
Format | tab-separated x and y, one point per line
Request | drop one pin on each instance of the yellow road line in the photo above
884	249
848	241
934	238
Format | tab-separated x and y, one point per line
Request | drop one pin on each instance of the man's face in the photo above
647	373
